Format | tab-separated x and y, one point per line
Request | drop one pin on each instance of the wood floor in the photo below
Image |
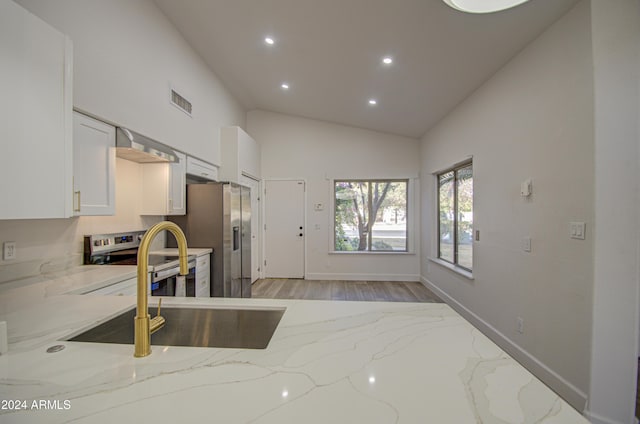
387	291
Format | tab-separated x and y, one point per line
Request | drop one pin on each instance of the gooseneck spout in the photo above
144	325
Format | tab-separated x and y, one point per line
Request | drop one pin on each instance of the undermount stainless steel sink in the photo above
197	327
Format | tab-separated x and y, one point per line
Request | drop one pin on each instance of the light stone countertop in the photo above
328	362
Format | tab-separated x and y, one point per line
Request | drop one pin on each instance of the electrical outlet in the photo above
520	325
8	250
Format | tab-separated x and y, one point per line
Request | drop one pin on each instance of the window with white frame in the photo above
455	216
371	215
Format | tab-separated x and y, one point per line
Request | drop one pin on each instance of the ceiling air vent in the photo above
181	103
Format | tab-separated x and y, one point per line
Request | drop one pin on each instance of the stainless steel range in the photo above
122	249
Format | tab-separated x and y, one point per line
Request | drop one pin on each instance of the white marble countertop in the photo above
328	362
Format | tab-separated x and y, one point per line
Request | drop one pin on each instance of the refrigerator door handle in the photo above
236	238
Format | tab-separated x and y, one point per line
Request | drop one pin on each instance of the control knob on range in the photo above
102	242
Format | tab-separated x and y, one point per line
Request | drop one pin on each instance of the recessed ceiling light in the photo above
269	41
284	86
387	60
483	6
373	102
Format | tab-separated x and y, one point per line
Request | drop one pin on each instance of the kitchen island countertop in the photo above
328	361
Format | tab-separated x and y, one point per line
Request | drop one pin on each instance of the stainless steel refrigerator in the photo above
219	217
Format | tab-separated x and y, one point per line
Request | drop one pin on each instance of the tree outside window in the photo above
455	216
371	215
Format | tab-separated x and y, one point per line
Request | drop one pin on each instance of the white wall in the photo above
126	56
315	151
532	119
616	57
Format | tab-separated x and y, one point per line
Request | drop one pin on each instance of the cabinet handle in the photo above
170	204
77	193
204	174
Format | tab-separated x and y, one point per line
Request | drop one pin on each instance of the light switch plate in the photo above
525	188
577	230
526	244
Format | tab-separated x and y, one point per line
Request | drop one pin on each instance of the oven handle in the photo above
166	273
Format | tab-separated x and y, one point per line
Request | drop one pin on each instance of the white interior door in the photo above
254	185
284	229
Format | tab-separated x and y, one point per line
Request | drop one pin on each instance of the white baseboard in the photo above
574	396
597	419
362	277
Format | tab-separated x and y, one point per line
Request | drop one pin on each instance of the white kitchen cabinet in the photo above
201	170
94	166
164	187
203	275
36	163
240	155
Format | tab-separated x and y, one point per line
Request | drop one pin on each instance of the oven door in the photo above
169	282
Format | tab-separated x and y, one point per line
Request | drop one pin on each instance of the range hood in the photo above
138	148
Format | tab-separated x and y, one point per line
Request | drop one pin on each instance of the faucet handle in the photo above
156	322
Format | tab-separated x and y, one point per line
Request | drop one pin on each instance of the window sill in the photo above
453	268
368	252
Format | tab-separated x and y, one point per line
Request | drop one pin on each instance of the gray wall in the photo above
616	59
533	119
317	152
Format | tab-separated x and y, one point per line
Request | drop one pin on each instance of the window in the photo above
371	215
455	216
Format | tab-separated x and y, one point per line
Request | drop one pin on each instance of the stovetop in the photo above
122	249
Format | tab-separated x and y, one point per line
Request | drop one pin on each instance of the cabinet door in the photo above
94	159
178	186
36	117
240	155
164	187
201	170
155	180
203	288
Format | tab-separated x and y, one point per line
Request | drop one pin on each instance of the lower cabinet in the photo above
203	277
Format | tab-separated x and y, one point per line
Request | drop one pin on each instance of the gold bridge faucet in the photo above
144	325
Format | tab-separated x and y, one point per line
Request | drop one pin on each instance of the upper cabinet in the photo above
240	155
164	187
36	163
94	162
201	170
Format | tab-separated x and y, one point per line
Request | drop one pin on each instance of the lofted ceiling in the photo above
330	54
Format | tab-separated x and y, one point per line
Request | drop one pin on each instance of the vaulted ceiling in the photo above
330	53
